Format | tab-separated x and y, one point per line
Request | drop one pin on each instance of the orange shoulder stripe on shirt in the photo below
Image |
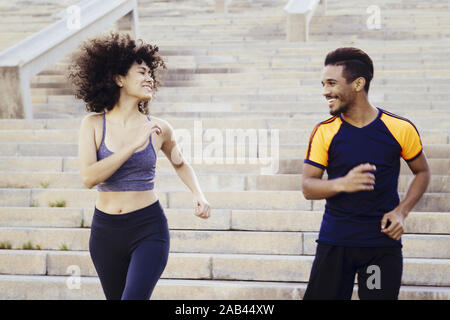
405	133
401	118
321	139
314	132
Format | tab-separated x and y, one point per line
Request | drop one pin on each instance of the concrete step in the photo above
57	288
432	151
207	51
300	121
275	26
410	48
236	267
230	149
226	242
241	290
50	84
277	33
311	96
282	47
293	120
400	51
39	135
287	136
251	57
260	95
167	182
289	220
38	124
414	246
235	199
286	109
200	165
54	77
275	75
419	109
305	77
285	200
179	219
77	239
221	219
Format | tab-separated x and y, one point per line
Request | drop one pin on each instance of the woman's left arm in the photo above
184	170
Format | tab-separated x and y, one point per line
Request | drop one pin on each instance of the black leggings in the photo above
334	268
129	251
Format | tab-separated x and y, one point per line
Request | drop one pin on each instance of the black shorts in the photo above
334	268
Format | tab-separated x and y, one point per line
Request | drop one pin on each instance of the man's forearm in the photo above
317	189
415	191
360	178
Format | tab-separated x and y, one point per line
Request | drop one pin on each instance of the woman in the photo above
118	144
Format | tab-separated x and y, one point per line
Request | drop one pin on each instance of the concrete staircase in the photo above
21	19
398	20
230	71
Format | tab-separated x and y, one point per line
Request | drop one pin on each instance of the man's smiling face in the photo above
339	94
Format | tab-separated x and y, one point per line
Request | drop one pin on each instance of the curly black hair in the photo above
355	61
99	60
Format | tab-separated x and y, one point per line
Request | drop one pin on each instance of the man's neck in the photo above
360	114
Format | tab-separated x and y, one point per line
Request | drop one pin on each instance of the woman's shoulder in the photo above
93	117
92	120
164	124
167	129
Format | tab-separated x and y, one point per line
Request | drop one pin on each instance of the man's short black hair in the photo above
356	64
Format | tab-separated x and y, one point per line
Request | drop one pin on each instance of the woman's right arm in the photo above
92	171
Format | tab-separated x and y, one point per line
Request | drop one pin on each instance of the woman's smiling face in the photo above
138	82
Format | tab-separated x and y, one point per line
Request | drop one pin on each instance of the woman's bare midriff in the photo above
120	202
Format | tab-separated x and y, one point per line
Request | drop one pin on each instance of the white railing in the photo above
19	63
222	6
299	16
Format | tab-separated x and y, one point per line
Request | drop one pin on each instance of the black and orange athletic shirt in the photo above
354	219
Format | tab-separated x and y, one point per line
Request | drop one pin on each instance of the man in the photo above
360	147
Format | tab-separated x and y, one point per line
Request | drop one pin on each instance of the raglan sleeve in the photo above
317	151
411	143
